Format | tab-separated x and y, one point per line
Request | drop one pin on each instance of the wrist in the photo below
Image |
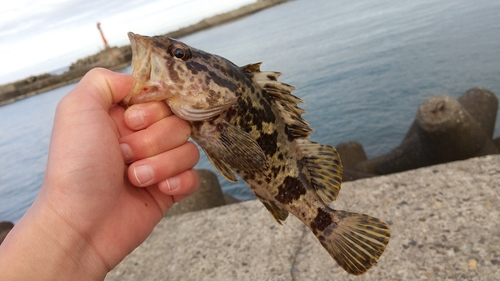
40	248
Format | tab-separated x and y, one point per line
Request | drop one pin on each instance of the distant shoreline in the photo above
114	58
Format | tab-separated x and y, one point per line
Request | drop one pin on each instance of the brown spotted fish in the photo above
249	124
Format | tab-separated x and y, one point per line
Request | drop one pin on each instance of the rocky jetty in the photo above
445	129
114	58
111	58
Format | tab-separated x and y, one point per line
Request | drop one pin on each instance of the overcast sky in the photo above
42	36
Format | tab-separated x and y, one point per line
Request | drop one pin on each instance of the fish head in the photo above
196	85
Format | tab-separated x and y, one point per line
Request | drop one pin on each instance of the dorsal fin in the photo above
325	168
285	101
252	67
322	161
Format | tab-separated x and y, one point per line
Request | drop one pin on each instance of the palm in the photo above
94	178
93	209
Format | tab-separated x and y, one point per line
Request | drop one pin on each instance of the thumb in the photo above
102	87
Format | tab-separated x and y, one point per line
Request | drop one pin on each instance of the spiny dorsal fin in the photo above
324	166
285	101
252	67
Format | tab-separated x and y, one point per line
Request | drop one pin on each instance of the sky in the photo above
44	36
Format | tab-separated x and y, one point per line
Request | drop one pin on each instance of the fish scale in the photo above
248	123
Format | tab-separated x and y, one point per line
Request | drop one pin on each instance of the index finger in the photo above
140	116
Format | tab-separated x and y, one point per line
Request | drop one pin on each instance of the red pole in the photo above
102	35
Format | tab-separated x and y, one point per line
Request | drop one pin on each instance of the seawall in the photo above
443	218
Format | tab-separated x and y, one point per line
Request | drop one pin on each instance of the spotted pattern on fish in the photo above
321	221
248	123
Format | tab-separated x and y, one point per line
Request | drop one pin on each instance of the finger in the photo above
163	200
188	184
157	168
140	116
183	184
164	135
116	113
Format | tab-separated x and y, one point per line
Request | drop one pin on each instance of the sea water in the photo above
362	67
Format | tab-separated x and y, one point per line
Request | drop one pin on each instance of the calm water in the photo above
362	67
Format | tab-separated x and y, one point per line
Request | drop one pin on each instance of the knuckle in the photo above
153	145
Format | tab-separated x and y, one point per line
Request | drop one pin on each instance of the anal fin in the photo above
278	213
355	241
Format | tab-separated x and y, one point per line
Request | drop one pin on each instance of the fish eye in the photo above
180	52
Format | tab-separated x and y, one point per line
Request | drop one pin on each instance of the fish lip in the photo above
137	41
131	38
141	51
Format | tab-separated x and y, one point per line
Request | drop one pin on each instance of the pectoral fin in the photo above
235	149
221	167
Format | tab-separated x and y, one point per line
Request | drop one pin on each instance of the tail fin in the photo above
355	241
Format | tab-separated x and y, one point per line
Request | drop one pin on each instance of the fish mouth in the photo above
144	89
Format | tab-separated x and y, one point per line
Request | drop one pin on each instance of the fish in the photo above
249	124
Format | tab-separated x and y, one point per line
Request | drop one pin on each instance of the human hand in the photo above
92	210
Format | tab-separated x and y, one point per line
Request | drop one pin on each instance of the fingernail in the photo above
143	174
127	153
173	183
135	118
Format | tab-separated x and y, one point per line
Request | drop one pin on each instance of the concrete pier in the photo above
444	221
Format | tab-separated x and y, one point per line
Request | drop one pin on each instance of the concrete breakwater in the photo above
443	221
113	58
460	129
444	130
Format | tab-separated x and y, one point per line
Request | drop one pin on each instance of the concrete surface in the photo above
445	223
